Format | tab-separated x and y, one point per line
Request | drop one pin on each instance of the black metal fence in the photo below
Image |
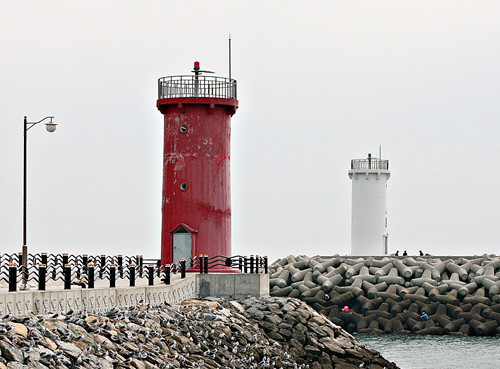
196	86
85	270
370	163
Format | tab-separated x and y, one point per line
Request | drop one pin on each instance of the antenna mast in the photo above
229	56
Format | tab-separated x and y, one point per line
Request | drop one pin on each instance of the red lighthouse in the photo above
196	200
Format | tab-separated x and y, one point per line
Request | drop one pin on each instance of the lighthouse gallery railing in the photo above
196	86
370	164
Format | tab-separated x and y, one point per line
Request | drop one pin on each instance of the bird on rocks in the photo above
93	321
95	330
26	349
66	337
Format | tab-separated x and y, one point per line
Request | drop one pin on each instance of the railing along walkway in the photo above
53	271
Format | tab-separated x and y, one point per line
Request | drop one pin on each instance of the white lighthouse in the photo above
369	214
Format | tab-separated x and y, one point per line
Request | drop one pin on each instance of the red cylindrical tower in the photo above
196	200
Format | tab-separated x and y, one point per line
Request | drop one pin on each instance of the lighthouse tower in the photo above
196	200
369	215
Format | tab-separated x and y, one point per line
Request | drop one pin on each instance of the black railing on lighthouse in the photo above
370	163
196	86
67	271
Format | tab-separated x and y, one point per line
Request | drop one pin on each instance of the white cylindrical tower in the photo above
369	214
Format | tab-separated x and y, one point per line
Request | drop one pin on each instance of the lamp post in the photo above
51	127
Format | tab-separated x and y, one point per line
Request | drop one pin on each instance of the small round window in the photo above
183	129
183	186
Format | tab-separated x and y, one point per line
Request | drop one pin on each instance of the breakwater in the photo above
217	333
459	296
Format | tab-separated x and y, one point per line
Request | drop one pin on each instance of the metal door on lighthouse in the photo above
183	243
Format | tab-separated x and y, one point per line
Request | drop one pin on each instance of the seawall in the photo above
459	295
102	298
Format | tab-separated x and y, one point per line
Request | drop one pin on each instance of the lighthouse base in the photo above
231	285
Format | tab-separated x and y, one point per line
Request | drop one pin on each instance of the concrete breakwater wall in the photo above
57	300
460	296
248	333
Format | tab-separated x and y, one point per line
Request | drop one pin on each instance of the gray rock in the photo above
255	313
16	365
70	349
11	352
287	333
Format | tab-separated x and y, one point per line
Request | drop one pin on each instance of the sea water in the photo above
436	352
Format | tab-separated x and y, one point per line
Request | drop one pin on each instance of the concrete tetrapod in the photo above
366	284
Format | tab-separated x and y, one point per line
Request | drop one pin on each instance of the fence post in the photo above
140	264
23	270
91	275
183	268
251	263
65	258
151	275
229	262
245	264
132	274
112	276
265	265
158	267
103	266
85	261
67	276
205	264
240	264
12	277
167	274
45	258
120	265
42	276
257	262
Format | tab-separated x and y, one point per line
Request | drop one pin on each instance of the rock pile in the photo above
310	338
460	296
252	333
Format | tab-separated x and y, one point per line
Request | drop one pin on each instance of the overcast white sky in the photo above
320	83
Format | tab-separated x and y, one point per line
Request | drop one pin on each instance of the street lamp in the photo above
51	127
